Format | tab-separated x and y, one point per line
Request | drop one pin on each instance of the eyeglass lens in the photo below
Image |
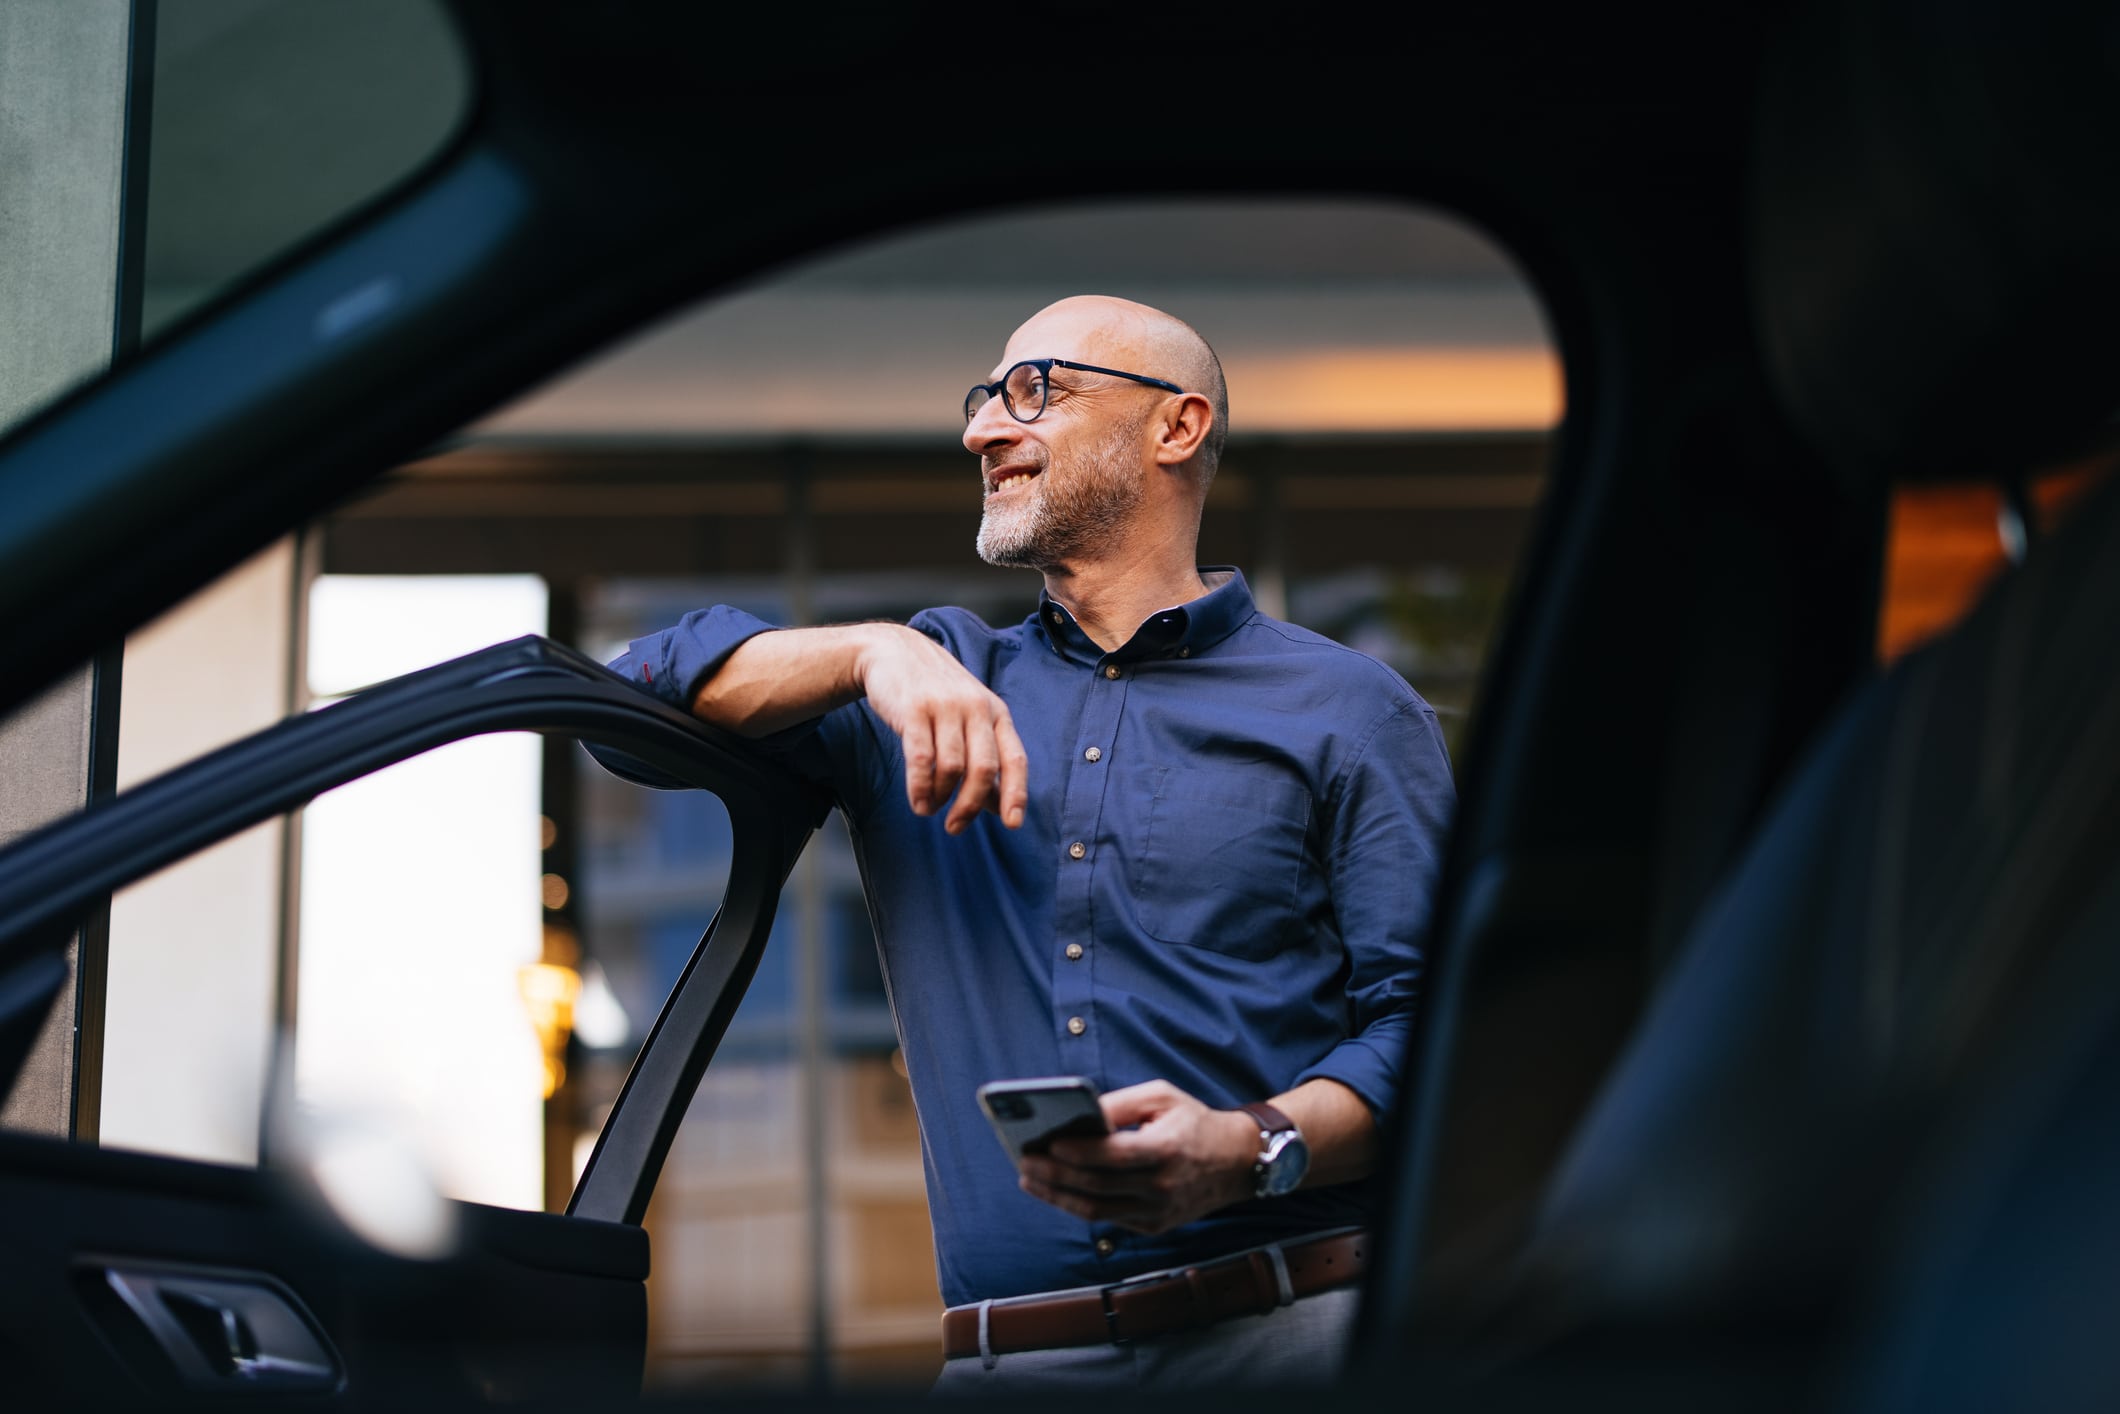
1022	393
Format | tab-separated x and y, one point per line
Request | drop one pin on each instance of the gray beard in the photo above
1071	509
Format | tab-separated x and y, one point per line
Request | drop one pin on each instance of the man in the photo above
1184	850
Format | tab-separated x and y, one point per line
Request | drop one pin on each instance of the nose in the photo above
991	427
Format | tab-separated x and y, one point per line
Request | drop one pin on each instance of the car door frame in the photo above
50	878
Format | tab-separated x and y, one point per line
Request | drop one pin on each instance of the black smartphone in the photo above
1029	1114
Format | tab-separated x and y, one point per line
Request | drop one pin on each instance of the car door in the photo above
131	1273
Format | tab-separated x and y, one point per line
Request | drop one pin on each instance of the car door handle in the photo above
225	1331
227	1341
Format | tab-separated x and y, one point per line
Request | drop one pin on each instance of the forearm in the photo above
1338	1127
778	679
1171	1160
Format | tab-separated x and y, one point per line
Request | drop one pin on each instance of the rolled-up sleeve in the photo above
1391	813
673	663
838	749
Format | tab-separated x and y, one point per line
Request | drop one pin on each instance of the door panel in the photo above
517	1304
530	1304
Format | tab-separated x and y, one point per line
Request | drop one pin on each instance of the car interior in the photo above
1770	999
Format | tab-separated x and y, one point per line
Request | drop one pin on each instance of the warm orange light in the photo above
1944	546
555	891
549	992
561	945
1385	390
1940	552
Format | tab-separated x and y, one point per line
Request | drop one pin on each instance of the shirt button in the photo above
1105	1247
1093	754
1074	952
1076	1026
1185	652
1057	617
1111	670
1076	850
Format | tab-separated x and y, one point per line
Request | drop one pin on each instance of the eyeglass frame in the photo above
1045	366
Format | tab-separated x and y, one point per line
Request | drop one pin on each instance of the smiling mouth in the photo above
1010	477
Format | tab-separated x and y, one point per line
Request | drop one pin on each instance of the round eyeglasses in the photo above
1023	388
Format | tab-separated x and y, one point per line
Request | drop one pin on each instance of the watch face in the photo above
1287	1160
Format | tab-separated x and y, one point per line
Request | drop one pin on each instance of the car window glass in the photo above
423	916
271	122
455	986
165	152
191	1005
415	946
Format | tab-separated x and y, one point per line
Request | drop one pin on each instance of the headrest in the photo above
1935	232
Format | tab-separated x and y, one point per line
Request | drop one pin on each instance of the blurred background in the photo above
470	947
501	917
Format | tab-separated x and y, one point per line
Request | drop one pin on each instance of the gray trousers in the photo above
1302	1344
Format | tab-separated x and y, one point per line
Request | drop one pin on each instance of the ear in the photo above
1182	429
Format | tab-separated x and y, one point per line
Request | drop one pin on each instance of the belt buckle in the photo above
1111	1317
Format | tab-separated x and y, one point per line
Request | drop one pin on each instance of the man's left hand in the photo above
1182	1162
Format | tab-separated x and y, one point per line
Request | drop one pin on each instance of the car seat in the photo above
1860	1149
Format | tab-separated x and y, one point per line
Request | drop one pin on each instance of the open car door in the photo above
129	1274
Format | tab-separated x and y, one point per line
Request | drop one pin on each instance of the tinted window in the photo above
272	121
153	155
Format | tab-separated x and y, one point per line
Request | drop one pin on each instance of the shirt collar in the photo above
1183	630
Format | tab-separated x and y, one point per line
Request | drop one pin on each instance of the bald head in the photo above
1120	333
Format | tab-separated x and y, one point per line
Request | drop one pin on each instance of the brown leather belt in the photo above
1246	1284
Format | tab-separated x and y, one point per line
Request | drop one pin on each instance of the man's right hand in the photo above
957	735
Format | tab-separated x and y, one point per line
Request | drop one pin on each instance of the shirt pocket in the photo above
1221	860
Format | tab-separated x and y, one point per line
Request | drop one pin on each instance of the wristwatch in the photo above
1283	1156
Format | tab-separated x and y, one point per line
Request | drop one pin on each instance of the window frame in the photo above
51	877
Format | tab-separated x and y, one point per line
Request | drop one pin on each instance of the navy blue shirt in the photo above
1221	881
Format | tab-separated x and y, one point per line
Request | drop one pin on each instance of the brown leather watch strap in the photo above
1271	1120
1245	1284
